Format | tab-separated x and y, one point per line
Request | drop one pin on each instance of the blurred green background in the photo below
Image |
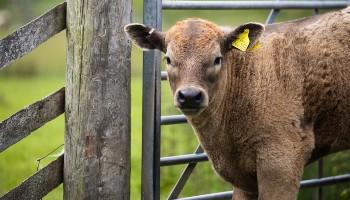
43	72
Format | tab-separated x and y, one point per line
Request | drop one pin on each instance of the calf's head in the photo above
195	52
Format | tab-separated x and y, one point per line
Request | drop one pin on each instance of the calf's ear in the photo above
244	37
145	37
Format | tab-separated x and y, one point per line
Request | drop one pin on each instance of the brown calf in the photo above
261	114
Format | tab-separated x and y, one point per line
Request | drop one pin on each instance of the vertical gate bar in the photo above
157	134
320	161
320	175
272	15
157	121
150	108
148	85
316	11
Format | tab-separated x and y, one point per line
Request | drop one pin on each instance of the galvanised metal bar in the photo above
164	75
183	159
303	184
272	16
213	196
173	119
320	175
216	5
180	184
325	181
319	194
320	161
316	11
157	121
151	108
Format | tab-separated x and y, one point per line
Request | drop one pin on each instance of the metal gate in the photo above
151	116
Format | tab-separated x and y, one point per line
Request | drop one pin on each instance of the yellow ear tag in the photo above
242	41
256	46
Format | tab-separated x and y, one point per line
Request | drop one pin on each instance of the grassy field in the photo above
43	72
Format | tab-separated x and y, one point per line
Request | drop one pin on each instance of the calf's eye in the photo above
167	60
217	60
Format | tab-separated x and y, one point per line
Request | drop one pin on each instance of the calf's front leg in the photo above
239	194
279	171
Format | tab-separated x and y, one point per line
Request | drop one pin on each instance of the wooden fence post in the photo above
97	138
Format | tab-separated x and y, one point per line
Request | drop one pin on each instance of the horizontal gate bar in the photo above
183	159
28	37
22	123
173	119
211	5
303	184
213	196
163	75
41	183
325	181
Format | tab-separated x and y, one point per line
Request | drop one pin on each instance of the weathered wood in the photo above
38	185
32	35
22	123
97	140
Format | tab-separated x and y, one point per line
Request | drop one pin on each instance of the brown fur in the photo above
273	110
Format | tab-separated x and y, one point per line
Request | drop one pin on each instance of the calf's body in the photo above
285	105
272	110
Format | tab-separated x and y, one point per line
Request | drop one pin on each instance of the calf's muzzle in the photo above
190	99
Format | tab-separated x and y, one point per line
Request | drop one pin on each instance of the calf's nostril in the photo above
198	98
181	97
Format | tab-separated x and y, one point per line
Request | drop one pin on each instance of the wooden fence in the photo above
96	104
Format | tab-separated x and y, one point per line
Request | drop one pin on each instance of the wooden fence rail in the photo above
25	121
28	37
22	123
40	184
